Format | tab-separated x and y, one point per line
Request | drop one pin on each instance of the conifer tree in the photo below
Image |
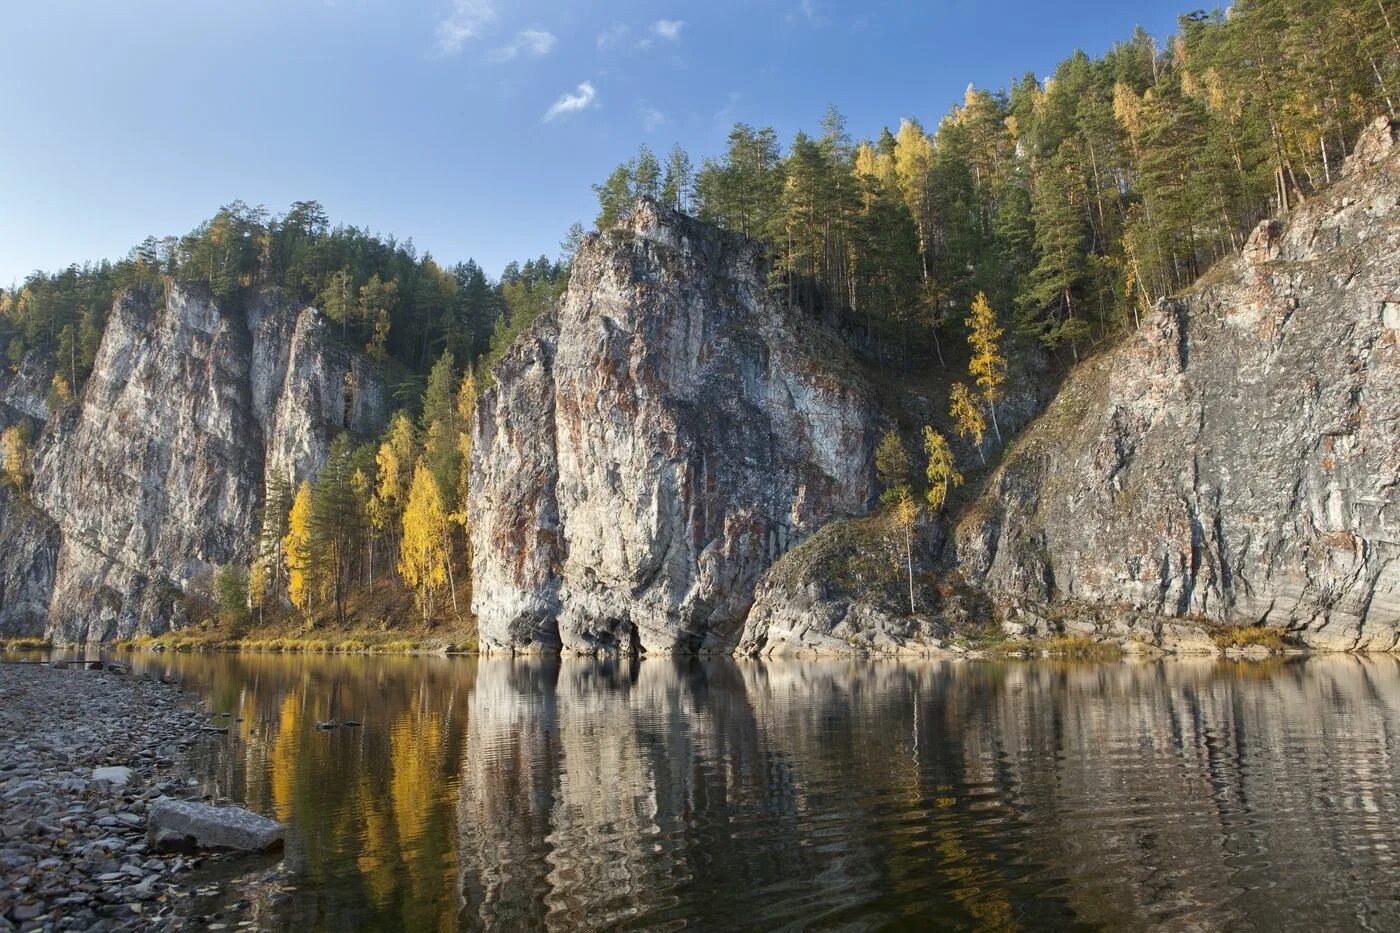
615	198
334	525
680	177
269	565
646	174
892	466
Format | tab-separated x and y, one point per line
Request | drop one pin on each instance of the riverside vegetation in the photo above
973	265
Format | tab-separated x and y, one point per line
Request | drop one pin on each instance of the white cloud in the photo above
668	29
612	36
533	42
809	11
467	19
652	119
581	99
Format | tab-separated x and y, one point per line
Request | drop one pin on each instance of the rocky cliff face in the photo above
154	477
650	448
1237	459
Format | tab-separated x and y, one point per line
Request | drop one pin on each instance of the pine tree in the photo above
374	306
1058	206
270	564
231	596
892	467
615	197
334	526
646	174
337	300
680	177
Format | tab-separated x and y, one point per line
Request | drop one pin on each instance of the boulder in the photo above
116	777
176	824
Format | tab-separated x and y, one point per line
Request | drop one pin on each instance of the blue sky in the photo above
473	126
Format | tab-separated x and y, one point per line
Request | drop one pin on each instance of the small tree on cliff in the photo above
966	411
423	554
987	365
892	468
941	472
14	443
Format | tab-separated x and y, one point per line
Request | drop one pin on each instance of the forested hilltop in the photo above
1053	214
1073	201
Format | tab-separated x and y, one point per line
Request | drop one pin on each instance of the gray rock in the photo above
653	445
154	477
1235	460
210	827
115	776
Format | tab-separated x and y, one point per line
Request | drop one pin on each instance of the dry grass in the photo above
1250	636
24	644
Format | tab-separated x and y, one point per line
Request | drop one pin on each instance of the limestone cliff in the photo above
1237	459
154	476
654	444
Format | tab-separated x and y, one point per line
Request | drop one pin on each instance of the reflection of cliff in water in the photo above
542	794
980	795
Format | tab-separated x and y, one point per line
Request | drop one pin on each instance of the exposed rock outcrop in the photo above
154	477
654	445
1238	459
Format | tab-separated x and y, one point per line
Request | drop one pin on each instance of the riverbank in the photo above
86	752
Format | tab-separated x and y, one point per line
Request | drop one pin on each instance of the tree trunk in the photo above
909	563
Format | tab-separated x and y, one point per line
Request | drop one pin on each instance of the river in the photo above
708	794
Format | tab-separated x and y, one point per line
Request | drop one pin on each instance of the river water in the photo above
668	794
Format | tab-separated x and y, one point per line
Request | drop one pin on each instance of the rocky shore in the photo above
87	752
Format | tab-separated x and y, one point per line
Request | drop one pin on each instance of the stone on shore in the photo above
115	776
174	824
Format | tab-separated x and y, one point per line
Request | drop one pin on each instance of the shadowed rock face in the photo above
1238	458
654	445
156	474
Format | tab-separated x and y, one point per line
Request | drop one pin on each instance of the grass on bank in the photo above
1063	647
24	644
1251	636
379	620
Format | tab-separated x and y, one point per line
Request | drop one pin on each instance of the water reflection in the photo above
510	794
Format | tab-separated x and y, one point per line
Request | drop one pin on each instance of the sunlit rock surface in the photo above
1238	458
154	476
652	447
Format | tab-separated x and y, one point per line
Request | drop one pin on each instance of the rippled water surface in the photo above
569	795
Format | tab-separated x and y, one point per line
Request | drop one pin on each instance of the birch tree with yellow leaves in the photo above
966	412
296	547
424	550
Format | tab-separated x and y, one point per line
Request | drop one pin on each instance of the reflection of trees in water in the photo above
372	808
559	795
978	795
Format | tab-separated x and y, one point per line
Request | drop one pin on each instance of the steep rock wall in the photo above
1238	459
648	453
154	477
